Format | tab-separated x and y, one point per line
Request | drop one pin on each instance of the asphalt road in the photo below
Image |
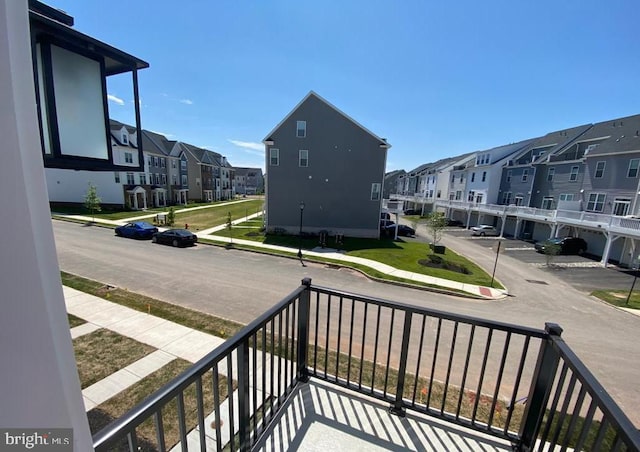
241	285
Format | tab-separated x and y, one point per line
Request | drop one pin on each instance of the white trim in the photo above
311	93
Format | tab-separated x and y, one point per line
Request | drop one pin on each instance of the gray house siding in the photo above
561	182
614	183
511	182
344	160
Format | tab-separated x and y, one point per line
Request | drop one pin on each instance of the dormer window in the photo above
125	138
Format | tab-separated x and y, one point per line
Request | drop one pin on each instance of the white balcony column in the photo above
39	384
607	247
503	219
554	230
468	218
518	227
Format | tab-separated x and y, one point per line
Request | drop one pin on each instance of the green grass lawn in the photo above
619	297
207	218
403	255
105	214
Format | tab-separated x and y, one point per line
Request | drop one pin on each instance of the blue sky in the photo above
436	78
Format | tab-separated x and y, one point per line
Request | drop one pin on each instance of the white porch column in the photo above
144	199
607	248
39	385
468	218
554	230
518	226
504	222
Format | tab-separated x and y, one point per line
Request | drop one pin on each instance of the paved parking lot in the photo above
583	272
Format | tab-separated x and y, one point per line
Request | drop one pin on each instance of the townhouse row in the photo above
582	181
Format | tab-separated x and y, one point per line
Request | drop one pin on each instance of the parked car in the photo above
452	222
386	223
385	216
484	229
568	245
403	230
412	212
175	237
136	230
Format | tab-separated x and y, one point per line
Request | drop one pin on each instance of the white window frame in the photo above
128	157
274	156
565	197
473	177
116	176
518	200
164	179
633	167
509	175
601	170
375	191
595	200
184	180
131	179
301	129
303	158
143	178
547	203
525	174
484	176
163	162
125	138
550	173
573	175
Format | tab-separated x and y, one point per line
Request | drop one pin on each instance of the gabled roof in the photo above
620	135
554	141
383	142
508	149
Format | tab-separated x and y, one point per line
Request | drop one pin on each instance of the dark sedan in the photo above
136	230
175	237
568	245
403	230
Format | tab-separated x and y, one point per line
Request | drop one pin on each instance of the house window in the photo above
143	178
155	161
573	176
547	202
458	195
473	177
518	200
125	138
566	197
509	174
621	206
274	157
130	179
173	164
375	192
479	198
117	177
484	176
439	194
184	180
471	196
163	162
462	178
174	179
164	179
128	157
525	175
301	129
596	202
550	173
599	170
303	158
149	160
183	164
633	167
506	198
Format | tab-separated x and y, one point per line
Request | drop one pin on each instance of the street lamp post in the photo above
300	233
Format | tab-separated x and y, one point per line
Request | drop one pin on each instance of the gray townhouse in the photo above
391	182
249	181
203	173
325	172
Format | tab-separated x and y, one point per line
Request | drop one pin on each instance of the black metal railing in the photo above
521	384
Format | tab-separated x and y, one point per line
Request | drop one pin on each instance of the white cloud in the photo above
115	99
248	145
186	101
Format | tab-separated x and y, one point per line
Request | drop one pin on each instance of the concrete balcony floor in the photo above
323	417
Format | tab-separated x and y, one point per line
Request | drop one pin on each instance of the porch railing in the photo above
521	384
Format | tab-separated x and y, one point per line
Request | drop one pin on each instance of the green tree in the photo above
92	200
550	251
171	216
436	222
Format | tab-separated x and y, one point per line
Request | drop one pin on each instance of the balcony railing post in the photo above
244	414
397	408
303	331
541	384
